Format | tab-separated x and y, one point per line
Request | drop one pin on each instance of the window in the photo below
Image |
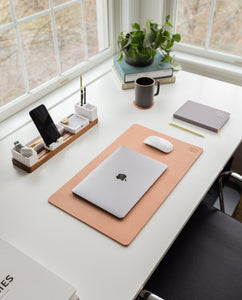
43	40
211	24
211	37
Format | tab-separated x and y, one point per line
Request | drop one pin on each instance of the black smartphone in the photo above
45	124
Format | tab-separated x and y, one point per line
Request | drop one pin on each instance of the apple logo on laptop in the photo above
122	177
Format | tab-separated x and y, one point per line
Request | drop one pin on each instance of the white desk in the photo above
97	266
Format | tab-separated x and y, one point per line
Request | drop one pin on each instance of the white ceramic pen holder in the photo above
87	110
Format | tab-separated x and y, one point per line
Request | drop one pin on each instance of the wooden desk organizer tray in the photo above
43	154
179	161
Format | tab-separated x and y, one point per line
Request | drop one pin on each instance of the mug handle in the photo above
158	87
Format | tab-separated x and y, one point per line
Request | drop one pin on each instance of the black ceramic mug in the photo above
144	91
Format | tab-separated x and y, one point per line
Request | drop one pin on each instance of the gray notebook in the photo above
120	181
202	115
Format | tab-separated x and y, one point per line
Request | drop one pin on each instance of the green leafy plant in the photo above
143	43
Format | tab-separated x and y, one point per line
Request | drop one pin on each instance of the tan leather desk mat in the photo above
124	231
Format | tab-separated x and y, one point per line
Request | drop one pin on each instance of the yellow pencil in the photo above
35	143
186	129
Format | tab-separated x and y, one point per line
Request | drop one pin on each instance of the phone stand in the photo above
54	145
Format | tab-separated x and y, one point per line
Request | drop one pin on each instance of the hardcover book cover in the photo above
130	85
202	115
23	278
130	73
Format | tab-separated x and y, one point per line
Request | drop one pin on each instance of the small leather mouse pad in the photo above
179	161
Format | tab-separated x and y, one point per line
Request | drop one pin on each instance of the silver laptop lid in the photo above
119	182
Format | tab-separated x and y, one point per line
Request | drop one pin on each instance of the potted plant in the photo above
139	46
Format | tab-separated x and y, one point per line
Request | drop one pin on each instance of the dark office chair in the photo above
205	261
226	188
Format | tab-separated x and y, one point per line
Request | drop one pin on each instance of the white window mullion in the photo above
6	26
20	49
210	24
37	14
66	4
114	23
33	17
84	25
57	53
109	22
102	21
46	11
170	8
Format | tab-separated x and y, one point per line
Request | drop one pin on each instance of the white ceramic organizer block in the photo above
75	123
29	160
87	110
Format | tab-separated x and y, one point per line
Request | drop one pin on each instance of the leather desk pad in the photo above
179	161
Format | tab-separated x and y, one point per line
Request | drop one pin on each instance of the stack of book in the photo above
127	74
23	278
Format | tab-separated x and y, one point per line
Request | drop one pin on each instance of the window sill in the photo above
209	67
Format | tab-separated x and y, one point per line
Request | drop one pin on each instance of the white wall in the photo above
139	11
152	9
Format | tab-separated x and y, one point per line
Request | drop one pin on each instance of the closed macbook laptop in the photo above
120	181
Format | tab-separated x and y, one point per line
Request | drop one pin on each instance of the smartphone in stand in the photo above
45	124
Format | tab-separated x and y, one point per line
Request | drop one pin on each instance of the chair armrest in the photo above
220	181
146	295
236	176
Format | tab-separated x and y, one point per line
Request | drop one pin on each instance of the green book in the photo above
130	73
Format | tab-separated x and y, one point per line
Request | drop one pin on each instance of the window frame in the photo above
61	79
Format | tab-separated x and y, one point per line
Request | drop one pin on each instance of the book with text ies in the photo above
202	115
23	278
130	73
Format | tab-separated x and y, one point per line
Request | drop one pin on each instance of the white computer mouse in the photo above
159	143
